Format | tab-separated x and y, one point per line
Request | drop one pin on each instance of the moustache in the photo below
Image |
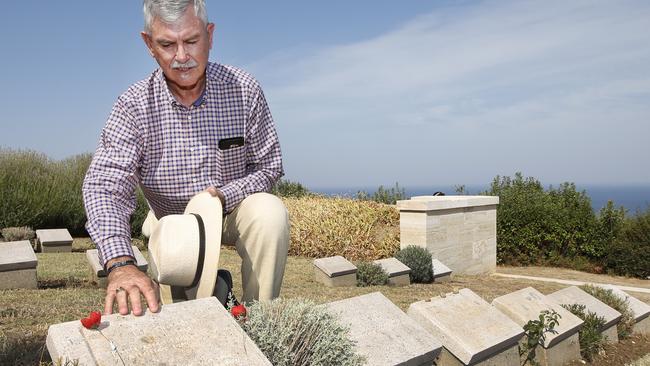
187	65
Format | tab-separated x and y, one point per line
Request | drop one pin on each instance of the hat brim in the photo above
211	212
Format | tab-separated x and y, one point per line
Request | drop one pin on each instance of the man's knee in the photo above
266	210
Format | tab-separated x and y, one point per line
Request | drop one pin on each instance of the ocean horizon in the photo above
633	197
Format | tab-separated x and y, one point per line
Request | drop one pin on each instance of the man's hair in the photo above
170	11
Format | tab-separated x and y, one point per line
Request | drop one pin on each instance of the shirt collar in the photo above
160	76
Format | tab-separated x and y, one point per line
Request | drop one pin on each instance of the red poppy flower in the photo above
238	311
92	321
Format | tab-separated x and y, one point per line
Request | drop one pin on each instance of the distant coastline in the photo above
633	197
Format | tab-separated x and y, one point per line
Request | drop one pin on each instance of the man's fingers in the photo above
108	302
134	298
212	191
151	296
122	304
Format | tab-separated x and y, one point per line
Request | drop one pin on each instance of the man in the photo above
190	126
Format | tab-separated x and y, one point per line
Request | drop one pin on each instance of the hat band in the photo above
199	267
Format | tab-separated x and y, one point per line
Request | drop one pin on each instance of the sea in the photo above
635	198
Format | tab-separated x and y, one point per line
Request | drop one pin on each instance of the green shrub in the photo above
296	332
419	261
371	274
18	233
287	188
536	331
629	253
382	195
626	323
590	336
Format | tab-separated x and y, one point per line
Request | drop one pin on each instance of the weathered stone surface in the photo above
54	240
398	272
640	309
338	281
441	273
561	353
18	278
467	326
335	266
384	334
458	230
509	356
574	295
93	260
197	332
17	255
526	304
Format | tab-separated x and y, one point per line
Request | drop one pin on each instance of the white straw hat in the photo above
184	250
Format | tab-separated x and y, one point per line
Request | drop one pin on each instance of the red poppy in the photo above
92	321
238	311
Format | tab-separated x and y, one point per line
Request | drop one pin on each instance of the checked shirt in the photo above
172	152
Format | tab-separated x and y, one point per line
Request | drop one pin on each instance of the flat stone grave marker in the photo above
17	265
471	331
335	271
383	333
527	304
97	270
54	240
574	295
640	309
398	272
441	273
196	332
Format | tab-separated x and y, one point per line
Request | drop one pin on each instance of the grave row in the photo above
458	328
337	271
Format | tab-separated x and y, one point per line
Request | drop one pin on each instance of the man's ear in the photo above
210	29
148	42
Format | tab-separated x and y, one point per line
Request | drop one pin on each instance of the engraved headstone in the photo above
335	271
398	272
196	332
441	273
383	333
471	331
640	309
17	265
54	240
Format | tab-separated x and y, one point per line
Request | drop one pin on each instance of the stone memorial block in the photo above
640	309
524	305
54	240
383	333
196	332
441	273
17	265
335	271
574	295
398	272
460	231
471	331
97	271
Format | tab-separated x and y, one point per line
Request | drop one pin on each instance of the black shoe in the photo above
223	289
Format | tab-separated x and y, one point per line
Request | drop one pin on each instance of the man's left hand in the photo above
217	193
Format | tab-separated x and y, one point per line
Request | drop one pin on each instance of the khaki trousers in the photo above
259	229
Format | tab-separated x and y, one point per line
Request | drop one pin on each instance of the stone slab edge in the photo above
432	203
320	263
23	249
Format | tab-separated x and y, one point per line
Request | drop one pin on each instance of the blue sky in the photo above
369	92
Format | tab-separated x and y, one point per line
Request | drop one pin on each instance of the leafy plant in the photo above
371	274
383	195
591	338
419	261
536	331
625	325
296	332
287	188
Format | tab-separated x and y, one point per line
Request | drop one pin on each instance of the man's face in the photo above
181	49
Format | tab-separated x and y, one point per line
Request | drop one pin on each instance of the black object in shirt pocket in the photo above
232	142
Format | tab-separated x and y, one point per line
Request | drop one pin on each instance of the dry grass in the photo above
357	230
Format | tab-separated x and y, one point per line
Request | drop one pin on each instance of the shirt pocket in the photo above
232	163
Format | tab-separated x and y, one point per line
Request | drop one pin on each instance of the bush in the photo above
629	254
626	323
419	261
382	195
357	230
536	331
591	339
287	188
371	274
18	233
296	332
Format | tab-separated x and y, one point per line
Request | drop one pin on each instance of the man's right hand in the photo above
125	284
